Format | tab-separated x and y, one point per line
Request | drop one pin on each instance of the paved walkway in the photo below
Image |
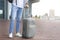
46	30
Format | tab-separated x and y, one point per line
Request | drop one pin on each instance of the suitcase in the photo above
29	28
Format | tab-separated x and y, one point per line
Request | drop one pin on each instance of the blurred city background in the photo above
46	14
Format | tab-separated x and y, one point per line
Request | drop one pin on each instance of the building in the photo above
28	11
51	13
4	11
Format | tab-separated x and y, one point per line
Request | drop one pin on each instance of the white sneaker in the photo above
18	35
11	35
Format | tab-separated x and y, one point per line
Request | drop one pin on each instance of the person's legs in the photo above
13	15
18	20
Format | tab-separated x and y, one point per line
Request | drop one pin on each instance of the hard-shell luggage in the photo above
29	28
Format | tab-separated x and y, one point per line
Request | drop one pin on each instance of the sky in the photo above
44	6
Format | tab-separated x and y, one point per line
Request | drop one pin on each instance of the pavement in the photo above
45	30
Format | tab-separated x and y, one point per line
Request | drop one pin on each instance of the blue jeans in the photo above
16	13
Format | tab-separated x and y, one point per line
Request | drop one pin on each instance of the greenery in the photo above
37	16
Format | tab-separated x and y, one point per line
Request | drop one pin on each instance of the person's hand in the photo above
26	6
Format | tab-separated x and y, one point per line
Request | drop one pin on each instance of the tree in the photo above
35	16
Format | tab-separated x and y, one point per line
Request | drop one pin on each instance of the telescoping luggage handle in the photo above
10	1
